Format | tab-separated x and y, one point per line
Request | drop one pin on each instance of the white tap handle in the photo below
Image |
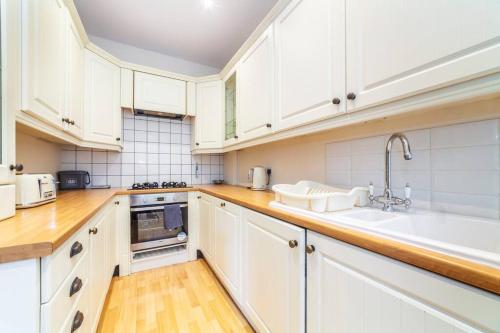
370	188
407	191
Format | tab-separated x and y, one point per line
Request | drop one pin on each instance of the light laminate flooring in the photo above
179	298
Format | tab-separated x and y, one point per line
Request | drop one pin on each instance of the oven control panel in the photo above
155	198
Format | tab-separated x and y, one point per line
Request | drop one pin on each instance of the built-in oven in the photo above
149	216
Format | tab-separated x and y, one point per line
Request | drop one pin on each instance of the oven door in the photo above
148	228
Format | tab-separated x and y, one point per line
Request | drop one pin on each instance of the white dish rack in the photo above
320	198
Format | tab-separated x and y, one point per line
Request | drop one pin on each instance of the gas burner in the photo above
173	185
144	186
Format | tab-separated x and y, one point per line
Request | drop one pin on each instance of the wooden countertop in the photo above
37	232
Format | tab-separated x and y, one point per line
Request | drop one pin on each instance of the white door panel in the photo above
44	59
397	48
255	84
310	55
159	93
273	274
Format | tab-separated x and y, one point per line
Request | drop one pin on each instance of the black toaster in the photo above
70	180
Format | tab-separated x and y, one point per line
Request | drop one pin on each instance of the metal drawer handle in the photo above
76	285
223	204
93	230
310	249
293	243
76	248
77	321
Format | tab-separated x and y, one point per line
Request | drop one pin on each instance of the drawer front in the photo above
55	312
78	320
56	267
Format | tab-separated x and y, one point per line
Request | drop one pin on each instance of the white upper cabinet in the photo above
208	121
398	48
73	111
159	93
44	59
310	54
102	100
255	79
127	88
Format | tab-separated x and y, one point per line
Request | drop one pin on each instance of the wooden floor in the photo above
180	298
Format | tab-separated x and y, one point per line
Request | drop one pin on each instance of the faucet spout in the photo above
406	154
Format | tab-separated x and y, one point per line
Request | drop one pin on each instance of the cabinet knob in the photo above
17	167
198	197
197	143
76	248
310	249
351	96
236	137
293	243
93	230
76	285
336	101
223	204
268	125
77	321
71	122
64	120
118	139
117	202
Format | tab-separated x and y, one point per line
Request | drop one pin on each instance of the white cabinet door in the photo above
226	252
44	59
397	48
255	79
341	297
102	100
73	114
206	217
126	88
99	259
10	48
310	55
159	93
273	292
208	121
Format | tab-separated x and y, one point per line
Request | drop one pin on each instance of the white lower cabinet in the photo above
283	283
100	263
353	290
273	269
226	254
206	218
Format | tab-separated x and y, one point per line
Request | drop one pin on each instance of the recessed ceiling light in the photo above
208	4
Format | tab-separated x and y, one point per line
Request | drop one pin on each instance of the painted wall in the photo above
154	150
37	155
153	59
469	185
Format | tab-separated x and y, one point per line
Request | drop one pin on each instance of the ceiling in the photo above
180	28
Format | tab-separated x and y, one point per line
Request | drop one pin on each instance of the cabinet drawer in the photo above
55	312
78	320
56	267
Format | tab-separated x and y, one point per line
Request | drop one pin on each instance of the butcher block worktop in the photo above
37	232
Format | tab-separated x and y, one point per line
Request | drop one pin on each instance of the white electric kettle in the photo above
259	177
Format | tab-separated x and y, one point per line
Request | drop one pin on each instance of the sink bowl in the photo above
473	238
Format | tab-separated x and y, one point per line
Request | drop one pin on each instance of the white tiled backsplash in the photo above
154	150
454	168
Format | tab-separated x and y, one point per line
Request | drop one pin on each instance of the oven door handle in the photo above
144	209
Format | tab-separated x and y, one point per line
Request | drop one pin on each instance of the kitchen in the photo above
279	166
